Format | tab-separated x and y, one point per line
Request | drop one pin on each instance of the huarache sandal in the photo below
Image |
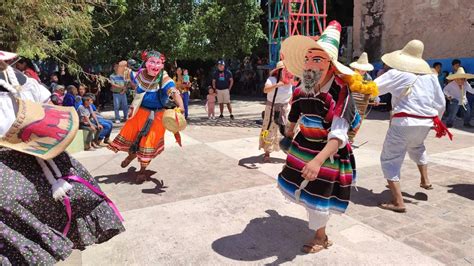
316	247
392	207
126	161
427	187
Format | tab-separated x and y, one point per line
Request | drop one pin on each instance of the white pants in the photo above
399	141
317	219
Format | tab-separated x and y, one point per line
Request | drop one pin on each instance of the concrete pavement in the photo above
214	202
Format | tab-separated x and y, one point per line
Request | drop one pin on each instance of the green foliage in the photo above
102	31
222	29
49	28
185	29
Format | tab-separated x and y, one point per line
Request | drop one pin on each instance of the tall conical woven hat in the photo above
294	49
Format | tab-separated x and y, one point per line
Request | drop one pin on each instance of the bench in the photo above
77	144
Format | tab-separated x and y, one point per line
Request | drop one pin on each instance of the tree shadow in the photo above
369	198
275	235
463	190
251	162
226	122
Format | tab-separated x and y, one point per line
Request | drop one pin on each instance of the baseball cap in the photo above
221	62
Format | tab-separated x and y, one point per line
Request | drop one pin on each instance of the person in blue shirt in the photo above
70	97
222	83
97	120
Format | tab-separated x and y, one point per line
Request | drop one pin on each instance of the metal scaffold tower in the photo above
293	17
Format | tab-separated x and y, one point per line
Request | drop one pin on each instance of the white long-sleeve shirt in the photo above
425	99
454	91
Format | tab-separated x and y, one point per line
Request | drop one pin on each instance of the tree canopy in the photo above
102	31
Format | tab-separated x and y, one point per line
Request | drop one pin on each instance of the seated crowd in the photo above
95	126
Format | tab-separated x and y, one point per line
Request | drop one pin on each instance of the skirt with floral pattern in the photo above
32	222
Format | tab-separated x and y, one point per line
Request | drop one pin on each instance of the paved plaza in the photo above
212	202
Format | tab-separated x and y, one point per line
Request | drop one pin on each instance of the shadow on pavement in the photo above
128	177
251	162
418	196
226	122
158	189
275	235
463	190
366	197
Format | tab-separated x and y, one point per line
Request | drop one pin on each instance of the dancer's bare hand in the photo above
311	170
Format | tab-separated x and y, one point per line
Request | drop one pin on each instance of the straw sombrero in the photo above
409	59
294	49
41	130
460	74
279	65
362	63
174	120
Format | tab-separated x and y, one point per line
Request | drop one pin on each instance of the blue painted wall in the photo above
466	62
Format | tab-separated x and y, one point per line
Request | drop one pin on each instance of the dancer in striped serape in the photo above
320	167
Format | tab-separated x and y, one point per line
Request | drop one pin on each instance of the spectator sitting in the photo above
70	97
86	123
54	81
107	125
81	92
58	95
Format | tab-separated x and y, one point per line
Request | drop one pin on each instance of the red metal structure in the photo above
293	17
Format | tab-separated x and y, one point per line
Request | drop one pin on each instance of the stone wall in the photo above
446	27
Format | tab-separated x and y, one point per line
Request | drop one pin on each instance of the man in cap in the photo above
320	167
418	103
222	82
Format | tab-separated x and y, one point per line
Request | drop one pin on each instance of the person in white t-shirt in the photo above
418	103
278	88
455	91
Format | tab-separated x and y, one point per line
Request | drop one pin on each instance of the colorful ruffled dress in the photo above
157	93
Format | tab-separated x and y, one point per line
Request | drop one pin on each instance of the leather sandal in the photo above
316	247
392	207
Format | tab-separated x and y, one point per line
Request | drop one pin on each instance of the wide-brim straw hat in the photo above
174	121
409	59
7	55
41	130
460	74
294	49
362	63
279	65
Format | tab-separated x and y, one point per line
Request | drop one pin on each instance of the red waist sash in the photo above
439	126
